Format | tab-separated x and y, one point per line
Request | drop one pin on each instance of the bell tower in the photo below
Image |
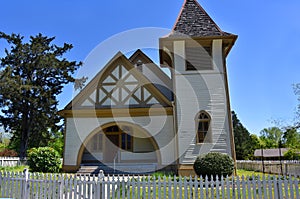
196	51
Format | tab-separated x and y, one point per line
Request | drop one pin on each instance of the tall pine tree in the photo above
32	74
245	143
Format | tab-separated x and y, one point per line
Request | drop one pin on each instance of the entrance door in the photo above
112	143
116	139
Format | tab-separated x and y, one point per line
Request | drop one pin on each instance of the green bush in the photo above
214	164
44	159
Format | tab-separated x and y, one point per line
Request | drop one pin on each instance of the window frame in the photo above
206	133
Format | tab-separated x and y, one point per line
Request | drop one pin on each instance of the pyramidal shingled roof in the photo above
193	21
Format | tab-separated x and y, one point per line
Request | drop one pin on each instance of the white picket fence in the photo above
66	186
11	161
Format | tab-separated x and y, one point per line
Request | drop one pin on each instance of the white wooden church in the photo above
132	117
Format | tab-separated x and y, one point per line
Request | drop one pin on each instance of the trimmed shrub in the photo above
214	164
44	159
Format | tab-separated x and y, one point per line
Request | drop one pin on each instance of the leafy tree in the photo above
4	141
271	137
291	138
245	143
297	92
57	142
292	154
32	74
253	143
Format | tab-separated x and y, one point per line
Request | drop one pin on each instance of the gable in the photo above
139	56
150	70
119	85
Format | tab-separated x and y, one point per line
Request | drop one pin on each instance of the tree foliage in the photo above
292	154
297	92
32	74
57	142
245	143
271	137
291	138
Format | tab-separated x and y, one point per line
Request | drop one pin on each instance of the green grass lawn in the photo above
241	172
210	192
13	169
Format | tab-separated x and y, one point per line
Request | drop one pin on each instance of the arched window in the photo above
120	136
203	123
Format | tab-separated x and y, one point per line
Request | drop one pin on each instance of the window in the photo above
124	139
112	129
198	58
126	142
203	122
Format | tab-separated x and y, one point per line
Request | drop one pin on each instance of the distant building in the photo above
270	154
107	122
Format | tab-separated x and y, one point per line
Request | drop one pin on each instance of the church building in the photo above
134	118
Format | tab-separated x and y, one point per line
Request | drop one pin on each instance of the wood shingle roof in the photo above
270	152
193	21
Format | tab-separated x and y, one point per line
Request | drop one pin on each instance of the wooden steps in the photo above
120	168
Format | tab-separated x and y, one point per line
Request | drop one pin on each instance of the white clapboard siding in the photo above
67	186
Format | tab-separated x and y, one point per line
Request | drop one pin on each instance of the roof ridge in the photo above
136	53
180	12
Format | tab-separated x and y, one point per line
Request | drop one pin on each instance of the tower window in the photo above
203	122
198	58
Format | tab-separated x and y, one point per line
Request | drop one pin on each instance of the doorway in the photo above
111	147
115	140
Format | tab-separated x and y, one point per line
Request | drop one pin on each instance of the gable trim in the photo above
93	84
139	52
105	113
156	70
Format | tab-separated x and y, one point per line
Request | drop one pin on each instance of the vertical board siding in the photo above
64	186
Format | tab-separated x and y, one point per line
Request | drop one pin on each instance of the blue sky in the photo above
262	66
